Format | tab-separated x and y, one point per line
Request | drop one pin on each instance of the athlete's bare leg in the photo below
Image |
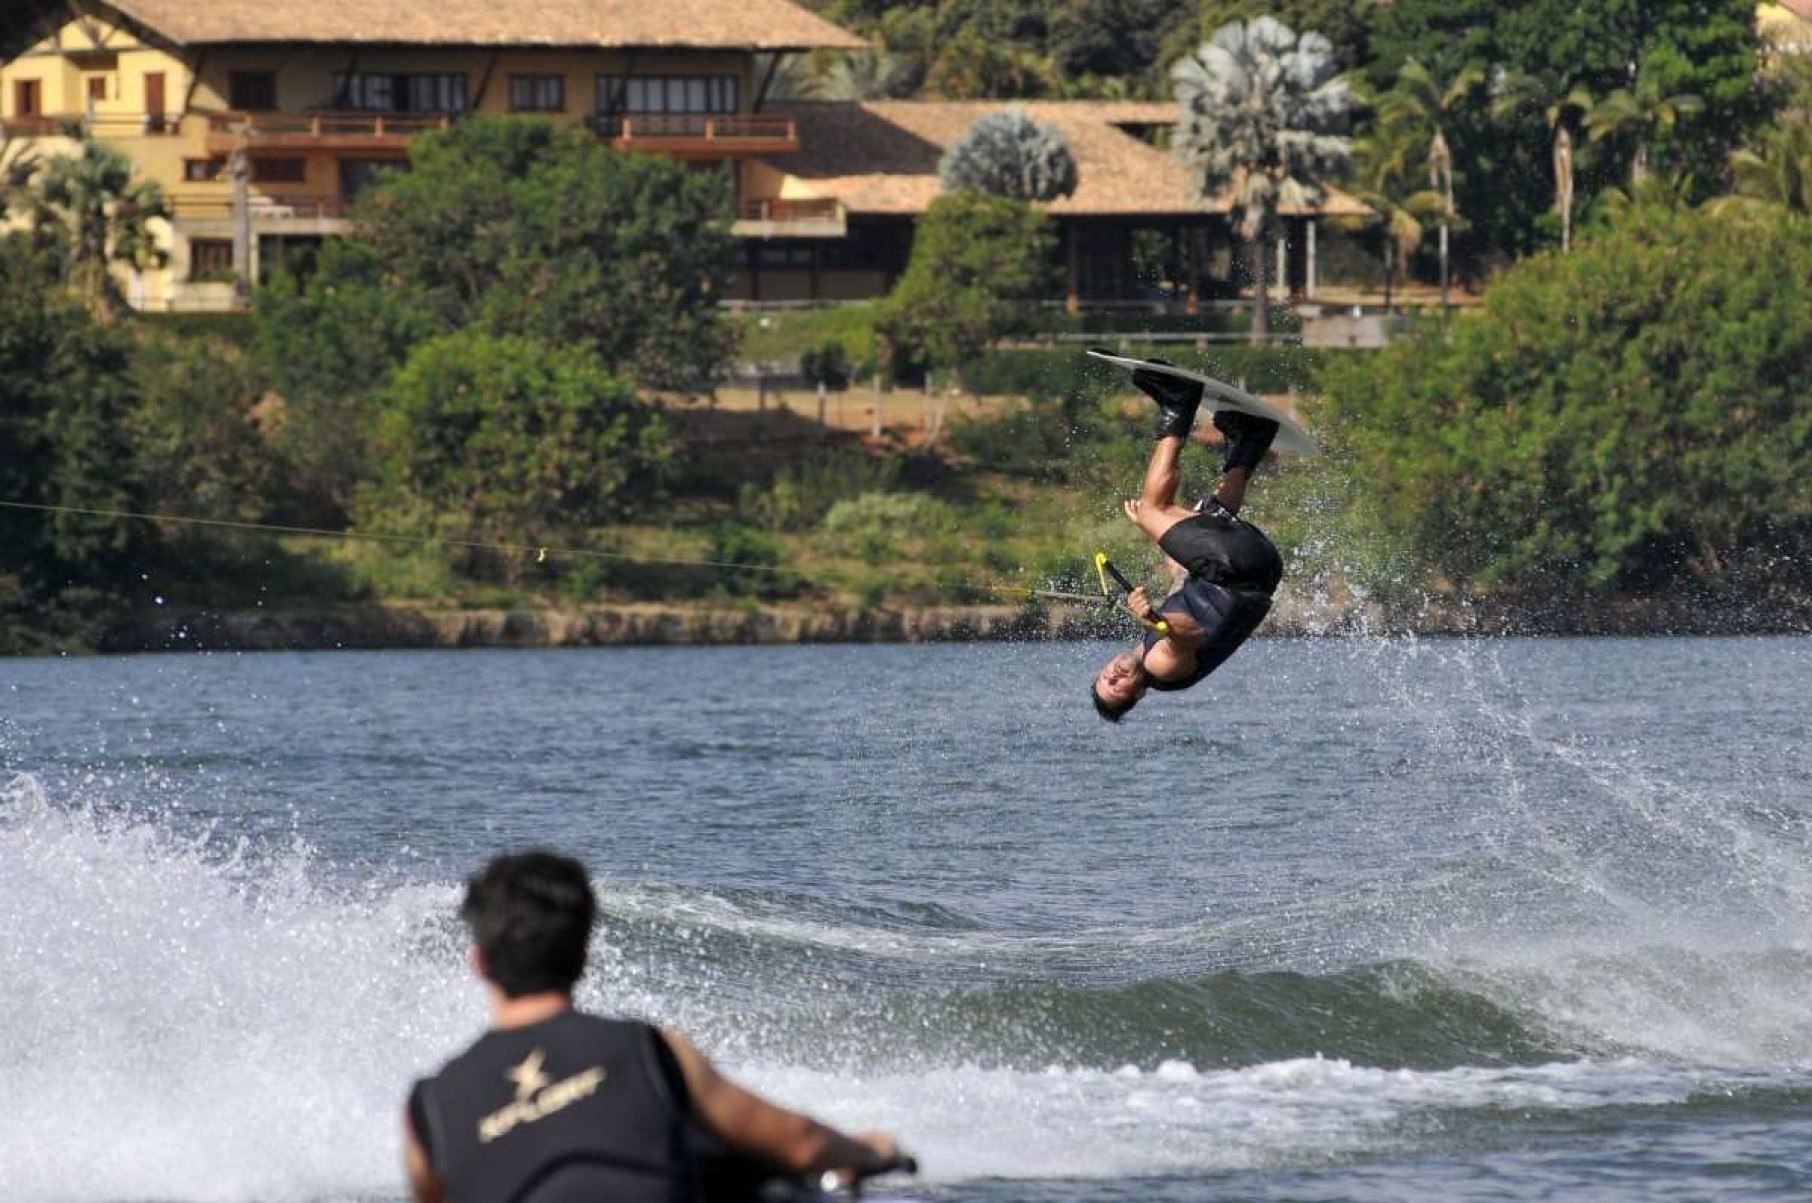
1231	492
1163	474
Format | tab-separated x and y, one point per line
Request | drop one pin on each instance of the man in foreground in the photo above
553	1105
1225	568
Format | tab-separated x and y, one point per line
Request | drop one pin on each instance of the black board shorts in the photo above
1223	550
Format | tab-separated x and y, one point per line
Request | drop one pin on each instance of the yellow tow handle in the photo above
1104	568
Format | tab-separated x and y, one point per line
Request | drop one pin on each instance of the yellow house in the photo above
260	120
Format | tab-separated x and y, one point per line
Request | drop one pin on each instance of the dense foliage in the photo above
977	263
1634	416
504	437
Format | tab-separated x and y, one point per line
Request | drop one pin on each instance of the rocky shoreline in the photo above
395	625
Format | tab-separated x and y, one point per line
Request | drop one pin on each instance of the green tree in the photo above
1263	115
971	64
978	262
1706	48
65	393
197	446
530	228
1009	154
103	218
1633	416
1422	106
1774	173
1642	115
1116	38
1563	105
329	342
1387	162
507	438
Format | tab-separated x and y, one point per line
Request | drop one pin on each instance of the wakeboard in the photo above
1218	395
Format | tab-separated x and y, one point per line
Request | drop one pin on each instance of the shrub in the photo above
513	439
1636	415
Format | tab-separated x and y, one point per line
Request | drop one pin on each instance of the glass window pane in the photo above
695	96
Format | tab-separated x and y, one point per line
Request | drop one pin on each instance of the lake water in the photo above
1375	920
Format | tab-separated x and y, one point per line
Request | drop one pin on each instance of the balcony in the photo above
700	134
269	214
319	131
104	127
808	218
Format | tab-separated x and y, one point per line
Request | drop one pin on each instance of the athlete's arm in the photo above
422	1182
1185	631
796	1143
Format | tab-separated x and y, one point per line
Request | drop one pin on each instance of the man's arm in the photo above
422	1182
1185	632
796	1143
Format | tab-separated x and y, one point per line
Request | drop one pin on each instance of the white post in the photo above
1310	291
1283	279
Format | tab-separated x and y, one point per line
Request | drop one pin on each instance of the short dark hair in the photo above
1111	711
531	915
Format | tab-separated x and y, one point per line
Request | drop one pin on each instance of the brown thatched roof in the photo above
693	24
881	157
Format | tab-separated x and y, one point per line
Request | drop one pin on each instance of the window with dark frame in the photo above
210	259
402	92
202	171
538	93
26	96
656	94
279	171
252	91
97	87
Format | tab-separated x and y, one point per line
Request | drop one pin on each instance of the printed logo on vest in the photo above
537	1096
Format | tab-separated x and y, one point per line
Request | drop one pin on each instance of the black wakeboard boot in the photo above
1177	399
1247	438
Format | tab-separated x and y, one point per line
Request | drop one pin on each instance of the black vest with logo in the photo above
575	1107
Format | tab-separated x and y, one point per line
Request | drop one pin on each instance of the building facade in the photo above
261	123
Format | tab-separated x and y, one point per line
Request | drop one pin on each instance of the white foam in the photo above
183	1024
969	1122
195	1022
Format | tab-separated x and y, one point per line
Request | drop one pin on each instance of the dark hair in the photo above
1111	711
531	914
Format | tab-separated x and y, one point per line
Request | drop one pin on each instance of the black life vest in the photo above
573	1108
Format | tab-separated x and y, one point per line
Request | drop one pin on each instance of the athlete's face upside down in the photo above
1120	683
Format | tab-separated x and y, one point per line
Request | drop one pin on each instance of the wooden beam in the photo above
195	66
484	82
767	81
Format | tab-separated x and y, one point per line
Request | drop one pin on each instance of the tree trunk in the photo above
1444	300
1563	183
1255	262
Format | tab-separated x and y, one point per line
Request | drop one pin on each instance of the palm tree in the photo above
1009	154
1643	114
1387	161
104	218
1263	114
1419	101
1775	173
1562	105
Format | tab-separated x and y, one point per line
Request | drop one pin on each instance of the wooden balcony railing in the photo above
263	208
782	212
103	125
324	126
699	127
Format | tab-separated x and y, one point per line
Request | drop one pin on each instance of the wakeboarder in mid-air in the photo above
1224	569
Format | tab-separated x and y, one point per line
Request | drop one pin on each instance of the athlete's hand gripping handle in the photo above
1105	568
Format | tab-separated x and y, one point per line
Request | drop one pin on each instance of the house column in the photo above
1073	297
1283	262
1309	290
